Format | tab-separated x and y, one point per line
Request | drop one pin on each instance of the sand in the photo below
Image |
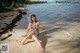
62	38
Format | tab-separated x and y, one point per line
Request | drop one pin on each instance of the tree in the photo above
11	3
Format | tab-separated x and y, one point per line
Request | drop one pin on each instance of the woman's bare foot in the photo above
19	42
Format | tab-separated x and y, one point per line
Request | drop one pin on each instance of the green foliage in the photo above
9	3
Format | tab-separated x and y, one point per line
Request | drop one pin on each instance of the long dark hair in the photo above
35	18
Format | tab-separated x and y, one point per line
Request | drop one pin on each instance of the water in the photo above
48	13
50	10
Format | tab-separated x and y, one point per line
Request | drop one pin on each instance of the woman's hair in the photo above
35	18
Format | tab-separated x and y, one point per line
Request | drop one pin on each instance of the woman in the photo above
32	32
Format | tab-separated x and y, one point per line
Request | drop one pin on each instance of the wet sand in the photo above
59	33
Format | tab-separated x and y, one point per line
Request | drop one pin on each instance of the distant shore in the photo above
69	2
36	2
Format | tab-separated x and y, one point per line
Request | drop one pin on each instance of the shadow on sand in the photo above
72	46
43	36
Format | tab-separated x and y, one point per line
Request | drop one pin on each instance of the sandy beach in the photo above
59	29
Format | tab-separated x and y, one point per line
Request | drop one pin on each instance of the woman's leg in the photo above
27	37
37	41
30	40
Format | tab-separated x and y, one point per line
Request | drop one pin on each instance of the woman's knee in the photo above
31	33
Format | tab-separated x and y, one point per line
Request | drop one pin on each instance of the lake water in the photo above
49	13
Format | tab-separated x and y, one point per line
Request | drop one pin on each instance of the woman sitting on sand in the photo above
32	32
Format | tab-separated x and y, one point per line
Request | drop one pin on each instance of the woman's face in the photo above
33	18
